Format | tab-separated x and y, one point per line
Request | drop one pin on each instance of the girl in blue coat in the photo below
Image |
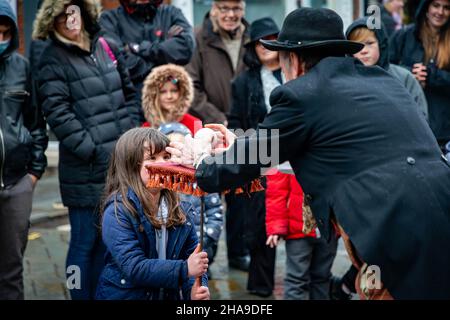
152	246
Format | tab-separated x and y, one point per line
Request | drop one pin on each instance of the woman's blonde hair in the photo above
124	173
153	112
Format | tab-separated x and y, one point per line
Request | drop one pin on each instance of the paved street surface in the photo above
44	265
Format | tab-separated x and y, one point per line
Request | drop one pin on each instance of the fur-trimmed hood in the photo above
50	9
150	90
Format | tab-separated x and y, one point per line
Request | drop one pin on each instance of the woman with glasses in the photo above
88	100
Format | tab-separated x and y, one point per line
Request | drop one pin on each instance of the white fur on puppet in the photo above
206	135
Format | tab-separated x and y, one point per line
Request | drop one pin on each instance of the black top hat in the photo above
319	29
262	28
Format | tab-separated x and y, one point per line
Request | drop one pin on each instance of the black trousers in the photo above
262	267
262	257
237	209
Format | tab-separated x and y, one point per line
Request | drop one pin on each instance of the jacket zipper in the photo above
18	93
2	185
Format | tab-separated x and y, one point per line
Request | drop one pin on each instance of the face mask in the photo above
4	45
145	10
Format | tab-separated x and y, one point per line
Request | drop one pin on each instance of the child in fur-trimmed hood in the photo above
166	97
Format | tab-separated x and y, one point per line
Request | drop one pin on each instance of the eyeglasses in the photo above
225	9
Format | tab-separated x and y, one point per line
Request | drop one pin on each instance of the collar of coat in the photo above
83	44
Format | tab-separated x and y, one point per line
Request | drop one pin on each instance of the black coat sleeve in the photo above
177	49
438	78
35	123
138	67
283	131
129	90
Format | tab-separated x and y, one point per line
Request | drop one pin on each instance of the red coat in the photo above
284	199
189	121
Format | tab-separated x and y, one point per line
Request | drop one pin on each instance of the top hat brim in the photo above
328	46
254	41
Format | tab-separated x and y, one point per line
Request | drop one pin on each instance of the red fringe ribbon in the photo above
181	179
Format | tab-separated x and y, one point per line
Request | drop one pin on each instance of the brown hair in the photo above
309	57
361	34
436	46
124	173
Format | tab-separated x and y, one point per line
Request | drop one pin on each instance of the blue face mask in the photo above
4	45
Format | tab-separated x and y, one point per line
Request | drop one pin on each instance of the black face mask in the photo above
147	10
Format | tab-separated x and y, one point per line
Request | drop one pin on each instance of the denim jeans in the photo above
86	253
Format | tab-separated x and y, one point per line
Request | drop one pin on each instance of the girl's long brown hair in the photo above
436	47
124	173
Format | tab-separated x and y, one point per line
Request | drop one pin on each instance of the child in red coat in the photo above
308	256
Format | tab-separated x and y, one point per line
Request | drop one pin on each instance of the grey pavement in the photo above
44	264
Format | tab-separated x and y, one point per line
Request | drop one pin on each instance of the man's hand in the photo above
272	240
420	72
199	292
224	138
34	179
174	31
182	153
213	139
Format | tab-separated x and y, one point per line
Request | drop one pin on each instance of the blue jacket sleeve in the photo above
122	242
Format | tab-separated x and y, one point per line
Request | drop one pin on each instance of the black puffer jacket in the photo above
156	47
89	102
23	137
406	49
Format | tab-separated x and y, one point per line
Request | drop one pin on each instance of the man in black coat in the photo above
151	34
366	158
23	141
